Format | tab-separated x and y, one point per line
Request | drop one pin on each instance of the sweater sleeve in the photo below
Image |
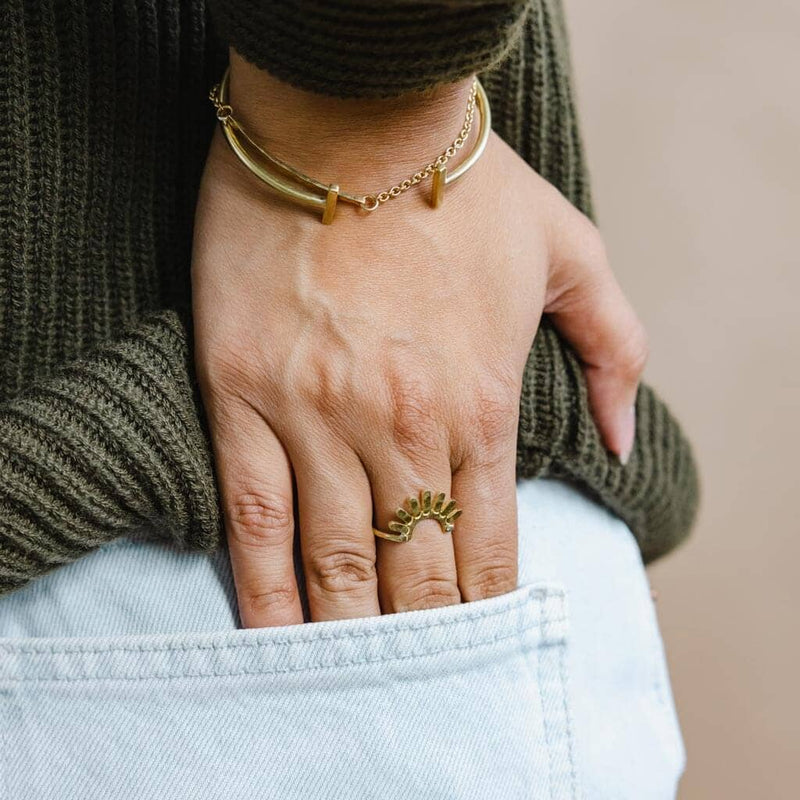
369	48
109	445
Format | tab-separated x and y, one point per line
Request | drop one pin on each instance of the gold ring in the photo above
426	507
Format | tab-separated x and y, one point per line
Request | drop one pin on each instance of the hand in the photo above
384	354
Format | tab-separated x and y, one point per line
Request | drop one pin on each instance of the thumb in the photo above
588	307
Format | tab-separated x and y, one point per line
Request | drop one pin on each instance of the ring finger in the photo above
419	573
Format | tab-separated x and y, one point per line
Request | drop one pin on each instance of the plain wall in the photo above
691	119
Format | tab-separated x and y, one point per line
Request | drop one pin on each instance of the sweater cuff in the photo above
378	48
657	493
110	445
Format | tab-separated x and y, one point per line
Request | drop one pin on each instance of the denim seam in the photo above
562	668
541	595
545	716
307	668
547	722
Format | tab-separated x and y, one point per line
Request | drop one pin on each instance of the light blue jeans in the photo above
124	677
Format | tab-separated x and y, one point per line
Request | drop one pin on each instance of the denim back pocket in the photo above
466	701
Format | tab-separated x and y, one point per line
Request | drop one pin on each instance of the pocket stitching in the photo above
301	638
541	621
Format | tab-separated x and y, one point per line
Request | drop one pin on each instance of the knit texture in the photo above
104	128
369	49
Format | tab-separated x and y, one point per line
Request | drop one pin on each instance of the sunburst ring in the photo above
426	505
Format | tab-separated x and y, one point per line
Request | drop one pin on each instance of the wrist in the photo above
360	144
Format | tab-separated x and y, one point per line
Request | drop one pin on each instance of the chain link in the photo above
373	201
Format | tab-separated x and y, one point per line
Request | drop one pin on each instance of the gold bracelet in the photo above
274	171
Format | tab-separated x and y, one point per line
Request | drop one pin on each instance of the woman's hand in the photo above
384	354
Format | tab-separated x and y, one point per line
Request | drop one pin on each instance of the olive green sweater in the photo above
104	126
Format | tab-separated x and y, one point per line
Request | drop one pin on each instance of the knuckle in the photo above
343	571
258	517
259	601
633	356
415	415
595	252
495	411
492	580
323	388
429	593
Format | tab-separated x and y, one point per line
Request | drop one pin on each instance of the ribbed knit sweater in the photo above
104	128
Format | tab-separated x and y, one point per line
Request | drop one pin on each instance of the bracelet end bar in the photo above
331	200
437	186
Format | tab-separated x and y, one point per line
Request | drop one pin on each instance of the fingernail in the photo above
630	435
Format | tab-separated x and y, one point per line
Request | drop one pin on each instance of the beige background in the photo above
691	118
692	123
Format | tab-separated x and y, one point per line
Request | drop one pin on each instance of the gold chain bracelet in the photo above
274	172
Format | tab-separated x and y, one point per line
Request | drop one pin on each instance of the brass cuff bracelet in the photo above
306	191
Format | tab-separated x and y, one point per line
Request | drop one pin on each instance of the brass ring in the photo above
426	507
